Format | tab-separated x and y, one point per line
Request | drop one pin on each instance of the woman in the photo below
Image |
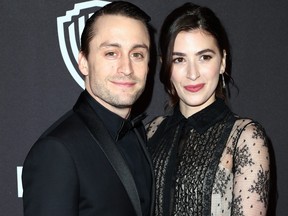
207	160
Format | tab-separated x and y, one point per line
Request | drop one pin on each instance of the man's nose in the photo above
125	66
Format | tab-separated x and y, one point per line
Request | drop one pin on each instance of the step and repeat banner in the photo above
40	80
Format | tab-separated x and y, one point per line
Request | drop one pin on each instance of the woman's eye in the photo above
178	60
205	57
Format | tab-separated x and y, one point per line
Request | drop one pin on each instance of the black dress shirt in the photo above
128	144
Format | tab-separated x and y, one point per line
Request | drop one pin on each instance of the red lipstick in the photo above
194	88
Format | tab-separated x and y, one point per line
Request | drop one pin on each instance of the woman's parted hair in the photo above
186	18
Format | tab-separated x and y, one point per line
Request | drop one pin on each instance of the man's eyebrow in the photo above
144	46
107	44
117	45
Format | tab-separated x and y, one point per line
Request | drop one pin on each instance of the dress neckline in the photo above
203	119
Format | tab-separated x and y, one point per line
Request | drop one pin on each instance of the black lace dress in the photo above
212	163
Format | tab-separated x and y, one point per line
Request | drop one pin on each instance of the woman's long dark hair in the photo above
186	18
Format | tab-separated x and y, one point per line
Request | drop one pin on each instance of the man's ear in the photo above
83	64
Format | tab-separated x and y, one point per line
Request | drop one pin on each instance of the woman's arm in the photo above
251	167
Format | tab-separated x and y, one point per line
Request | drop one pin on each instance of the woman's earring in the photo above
223	81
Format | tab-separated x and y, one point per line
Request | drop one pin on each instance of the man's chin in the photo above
124	104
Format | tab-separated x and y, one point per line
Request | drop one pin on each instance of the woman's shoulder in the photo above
247	123
248	128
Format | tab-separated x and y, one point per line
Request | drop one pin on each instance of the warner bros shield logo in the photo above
70	28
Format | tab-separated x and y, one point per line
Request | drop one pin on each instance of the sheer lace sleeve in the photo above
251	167
153	125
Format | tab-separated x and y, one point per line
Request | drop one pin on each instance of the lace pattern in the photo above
240	185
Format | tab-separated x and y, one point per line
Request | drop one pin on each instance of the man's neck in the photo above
123	112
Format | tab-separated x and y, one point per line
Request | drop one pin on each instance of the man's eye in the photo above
137	55
110	54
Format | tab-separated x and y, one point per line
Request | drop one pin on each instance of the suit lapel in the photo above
108	146
144	147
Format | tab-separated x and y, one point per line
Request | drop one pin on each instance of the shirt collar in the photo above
116	125
203	119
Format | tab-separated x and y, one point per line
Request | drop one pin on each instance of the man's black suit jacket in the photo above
75	168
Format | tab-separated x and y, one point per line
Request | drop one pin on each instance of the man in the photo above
91	162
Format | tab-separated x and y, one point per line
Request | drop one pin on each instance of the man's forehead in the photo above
109	30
